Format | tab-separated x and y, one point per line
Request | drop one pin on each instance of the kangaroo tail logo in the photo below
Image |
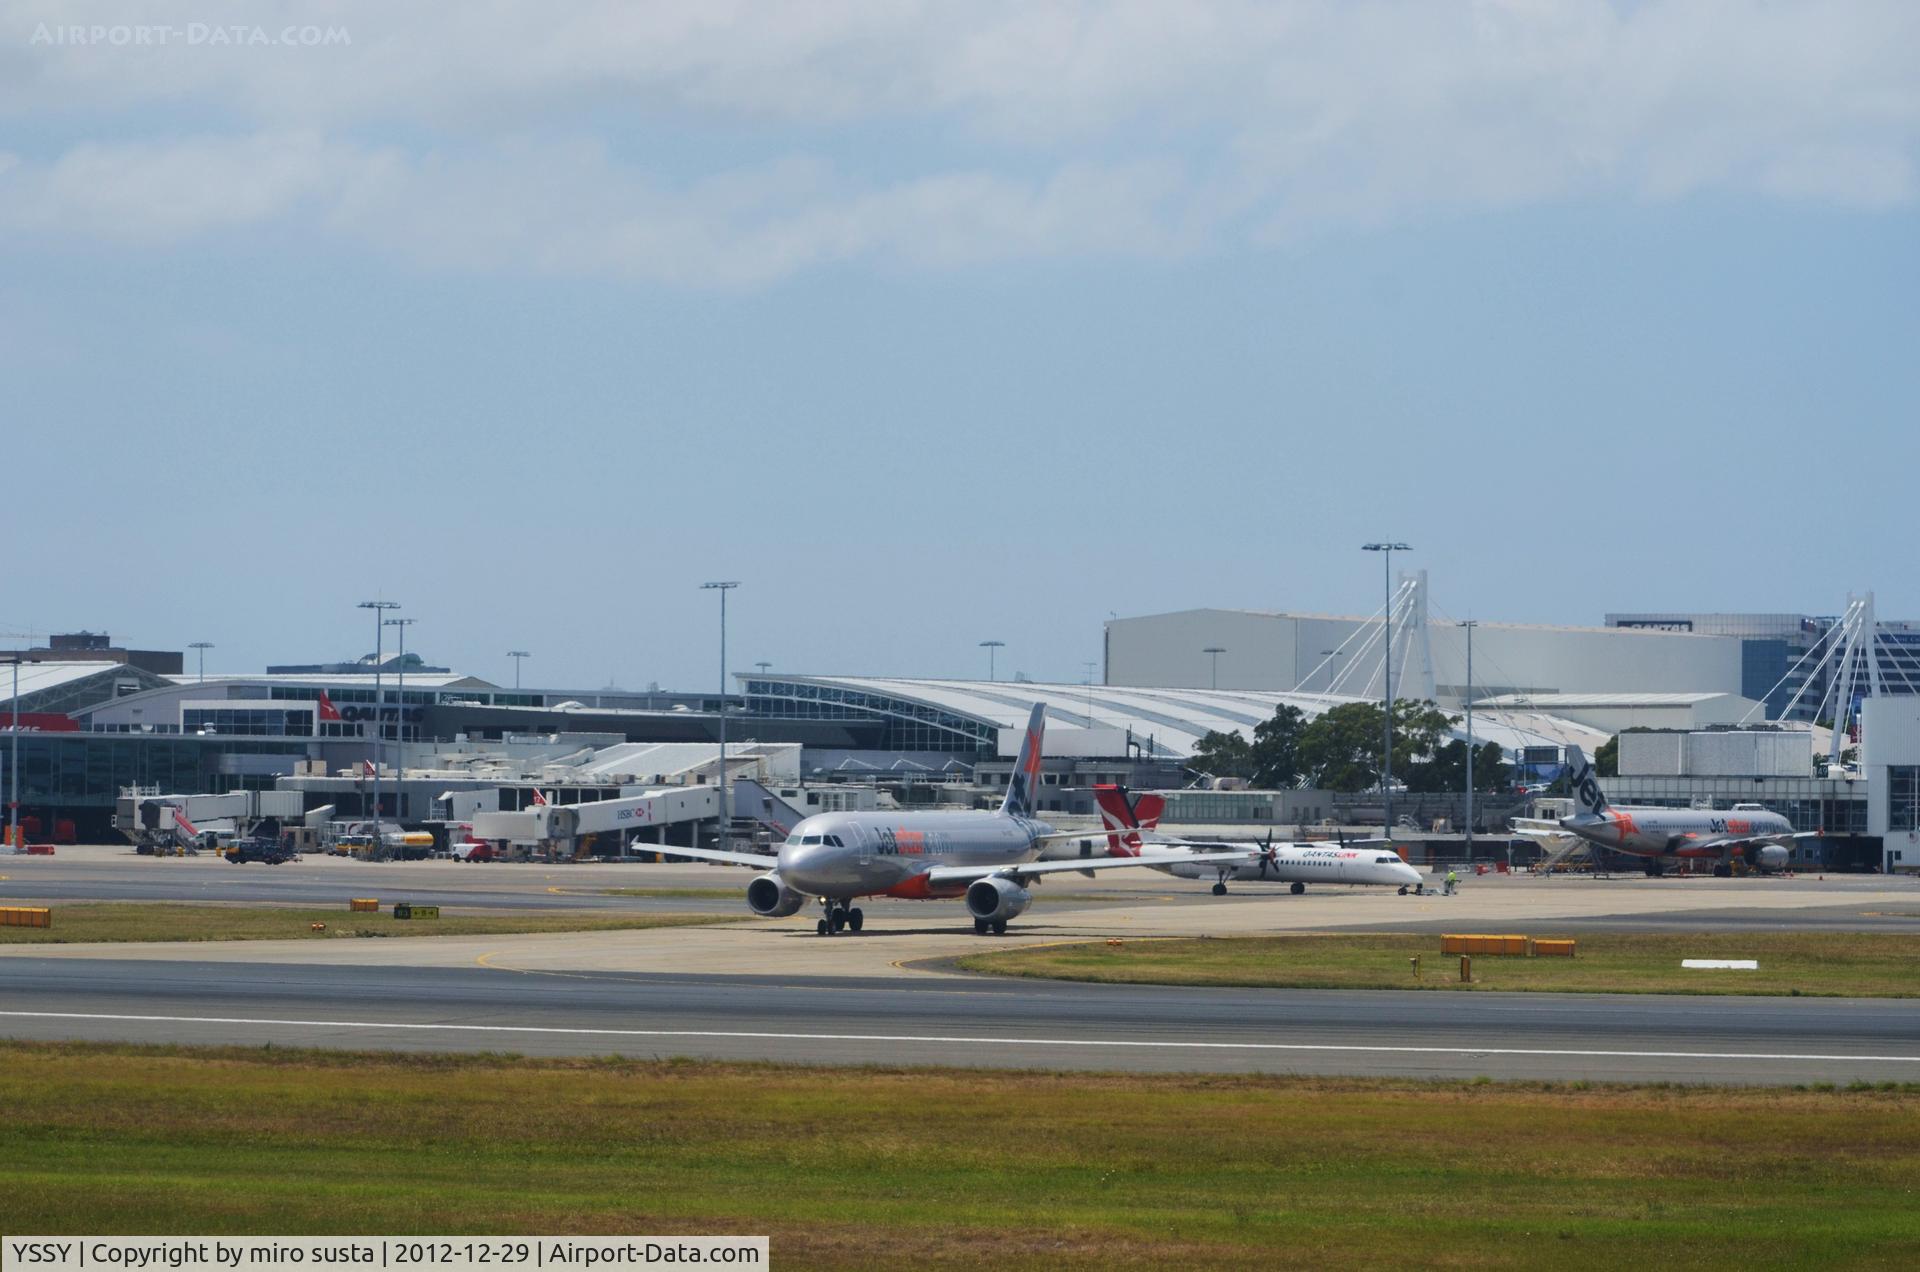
1125	816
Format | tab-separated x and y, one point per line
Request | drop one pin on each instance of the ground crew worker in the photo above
1453	881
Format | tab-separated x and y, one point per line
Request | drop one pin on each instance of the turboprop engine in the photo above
770	898
996	899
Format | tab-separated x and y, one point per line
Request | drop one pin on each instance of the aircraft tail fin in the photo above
1585	783
1122	819
1023	790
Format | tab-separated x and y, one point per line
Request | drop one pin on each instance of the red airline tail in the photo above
328	712
538	798
1125	817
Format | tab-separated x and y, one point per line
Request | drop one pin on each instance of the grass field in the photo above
1874	965
964	1169
169	921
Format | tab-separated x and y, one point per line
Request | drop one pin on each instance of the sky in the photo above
933	324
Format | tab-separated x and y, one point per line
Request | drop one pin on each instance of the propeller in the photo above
1267	857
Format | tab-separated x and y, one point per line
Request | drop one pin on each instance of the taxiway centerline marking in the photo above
950	1040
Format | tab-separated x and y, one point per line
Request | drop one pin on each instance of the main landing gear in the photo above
1297	888
840	918
1220	888
982	926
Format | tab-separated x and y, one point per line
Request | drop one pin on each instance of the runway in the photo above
968	1022
771	990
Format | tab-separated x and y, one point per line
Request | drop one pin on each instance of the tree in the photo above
1491	772
1420	756
1276	749
1340	750
1606	757
1223	755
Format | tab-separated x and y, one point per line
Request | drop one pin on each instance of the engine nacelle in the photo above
769	898
996	899
1770	858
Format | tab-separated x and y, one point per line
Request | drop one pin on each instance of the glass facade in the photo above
907	725
79	771
1203	807
1903	797
249	723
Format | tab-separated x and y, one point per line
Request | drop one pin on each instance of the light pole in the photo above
1470	624
992	646
1386	617
203	646
400	725
763	665
726	811
518	655
1327	656
1214	652
379	609
13	764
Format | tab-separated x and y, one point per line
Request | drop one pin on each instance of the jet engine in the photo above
996	899
769	898
1770	858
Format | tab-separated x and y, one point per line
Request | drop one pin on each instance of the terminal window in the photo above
1903	797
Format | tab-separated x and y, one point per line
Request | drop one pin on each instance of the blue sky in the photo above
931	329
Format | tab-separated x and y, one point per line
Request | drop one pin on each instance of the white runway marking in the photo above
1475	1052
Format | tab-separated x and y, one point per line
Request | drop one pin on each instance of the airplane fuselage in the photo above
1675	832
1290	863
846	855
1309	863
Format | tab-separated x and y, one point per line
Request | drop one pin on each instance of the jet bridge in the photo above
641	815
159	822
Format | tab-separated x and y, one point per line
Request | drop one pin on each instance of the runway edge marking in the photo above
954	1039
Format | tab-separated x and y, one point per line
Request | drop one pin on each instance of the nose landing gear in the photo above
840	917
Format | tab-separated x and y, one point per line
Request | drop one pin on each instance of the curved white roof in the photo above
1173	719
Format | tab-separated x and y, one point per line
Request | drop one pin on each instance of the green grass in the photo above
1871	965
169	921
960	1169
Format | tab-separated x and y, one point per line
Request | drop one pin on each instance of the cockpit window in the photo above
1387	860
810	839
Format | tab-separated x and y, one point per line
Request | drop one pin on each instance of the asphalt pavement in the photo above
967	1022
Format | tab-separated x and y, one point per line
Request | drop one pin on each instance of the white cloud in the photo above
505	138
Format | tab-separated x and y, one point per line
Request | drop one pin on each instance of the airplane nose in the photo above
807	867
794	860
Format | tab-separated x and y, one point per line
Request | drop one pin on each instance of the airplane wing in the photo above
758	860
1749	840
950	875
1255	848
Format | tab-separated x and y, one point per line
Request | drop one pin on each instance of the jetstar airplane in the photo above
1359	861
986	857
1661	835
